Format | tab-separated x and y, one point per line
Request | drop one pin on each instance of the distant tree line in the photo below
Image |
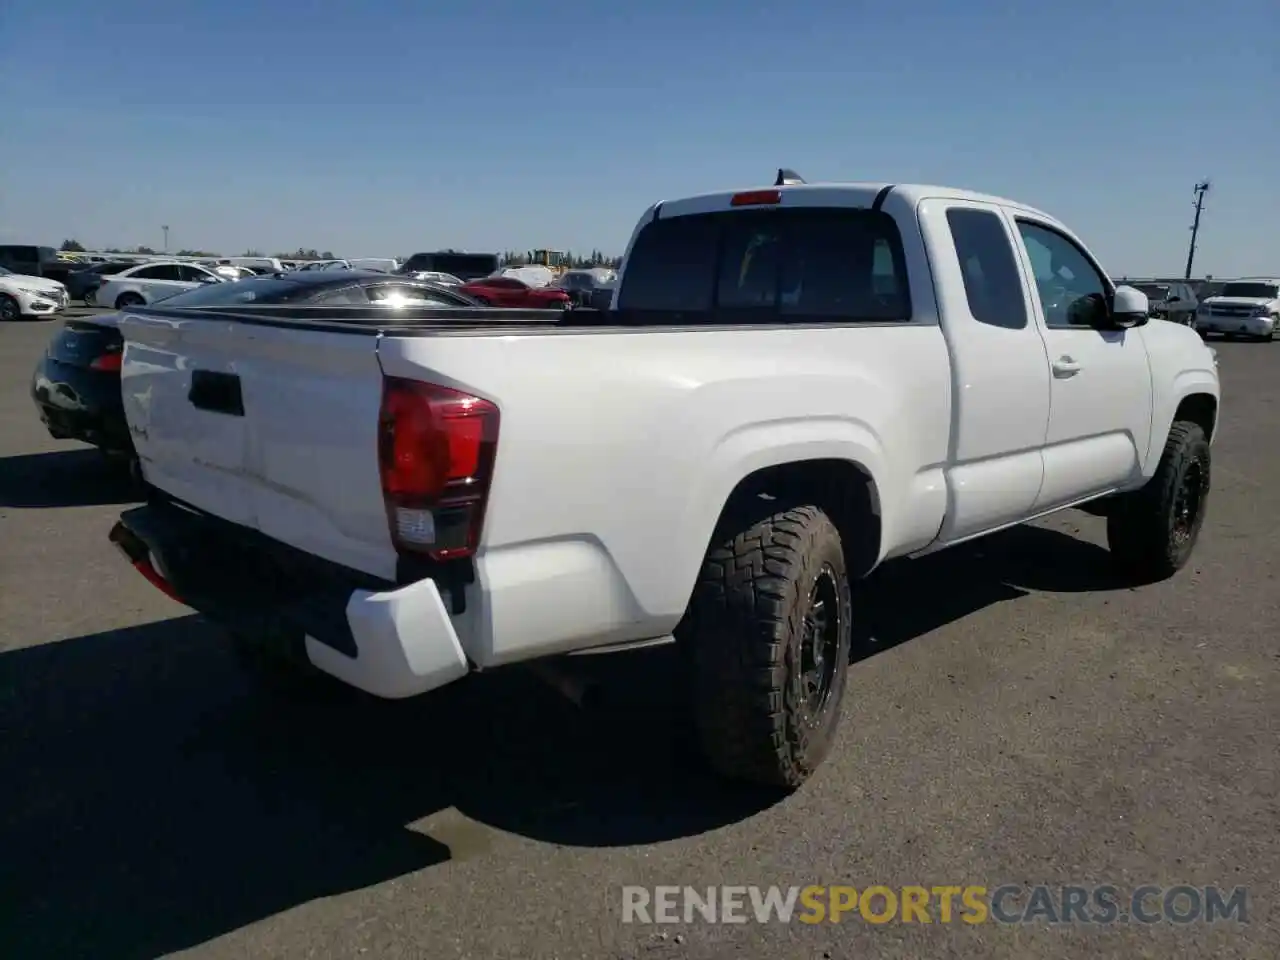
510	258
513	258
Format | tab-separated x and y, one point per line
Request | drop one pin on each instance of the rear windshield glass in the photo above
252	290
768	266
1266	291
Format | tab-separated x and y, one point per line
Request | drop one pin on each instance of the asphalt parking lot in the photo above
1025	718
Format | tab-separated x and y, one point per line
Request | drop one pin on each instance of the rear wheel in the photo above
1152	531
127	300
767	635
9	308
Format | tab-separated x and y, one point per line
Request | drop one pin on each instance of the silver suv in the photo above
1247	307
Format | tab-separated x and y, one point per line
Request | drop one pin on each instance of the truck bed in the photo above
468	321
374	320
614	454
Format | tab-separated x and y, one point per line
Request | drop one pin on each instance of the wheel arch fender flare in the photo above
1194	395
753	448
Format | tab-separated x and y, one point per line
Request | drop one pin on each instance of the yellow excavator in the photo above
552	259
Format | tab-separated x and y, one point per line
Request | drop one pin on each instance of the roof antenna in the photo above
787	178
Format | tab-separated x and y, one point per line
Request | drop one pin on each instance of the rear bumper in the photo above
389	641
76	403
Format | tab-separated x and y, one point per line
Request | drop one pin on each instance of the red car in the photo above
510	292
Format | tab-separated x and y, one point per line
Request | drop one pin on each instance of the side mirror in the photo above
1129	308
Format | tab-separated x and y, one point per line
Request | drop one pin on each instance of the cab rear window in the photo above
774	266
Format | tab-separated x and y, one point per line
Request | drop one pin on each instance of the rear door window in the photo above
192	274
160	272
992	284
798	265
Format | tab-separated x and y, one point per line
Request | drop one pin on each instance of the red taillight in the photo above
752	198
436	448
108	361
152	576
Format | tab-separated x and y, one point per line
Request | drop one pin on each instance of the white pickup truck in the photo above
794	385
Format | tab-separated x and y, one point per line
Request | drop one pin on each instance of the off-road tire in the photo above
744	637
1148	537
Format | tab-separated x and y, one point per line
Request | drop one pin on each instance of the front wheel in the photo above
1153	531
767	634
9	308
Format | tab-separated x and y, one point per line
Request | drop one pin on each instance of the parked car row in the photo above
119	285
151	283
22	295
76	384
1245	307
1169	299
1248	307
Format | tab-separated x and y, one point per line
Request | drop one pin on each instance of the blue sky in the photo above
385	127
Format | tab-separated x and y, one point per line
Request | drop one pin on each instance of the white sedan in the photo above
24	296
152	282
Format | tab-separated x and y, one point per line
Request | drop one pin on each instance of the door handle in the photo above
1065	367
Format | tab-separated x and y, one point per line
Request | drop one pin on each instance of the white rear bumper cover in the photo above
406	643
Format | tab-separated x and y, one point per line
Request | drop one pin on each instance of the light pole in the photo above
166	239
1201	189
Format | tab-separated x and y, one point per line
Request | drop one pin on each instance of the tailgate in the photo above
269	427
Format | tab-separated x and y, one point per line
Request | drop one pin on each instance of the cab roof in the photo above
841	194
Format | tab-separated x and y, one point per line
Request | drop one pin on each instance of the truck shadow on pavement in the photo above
155	801
78	477
907	598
